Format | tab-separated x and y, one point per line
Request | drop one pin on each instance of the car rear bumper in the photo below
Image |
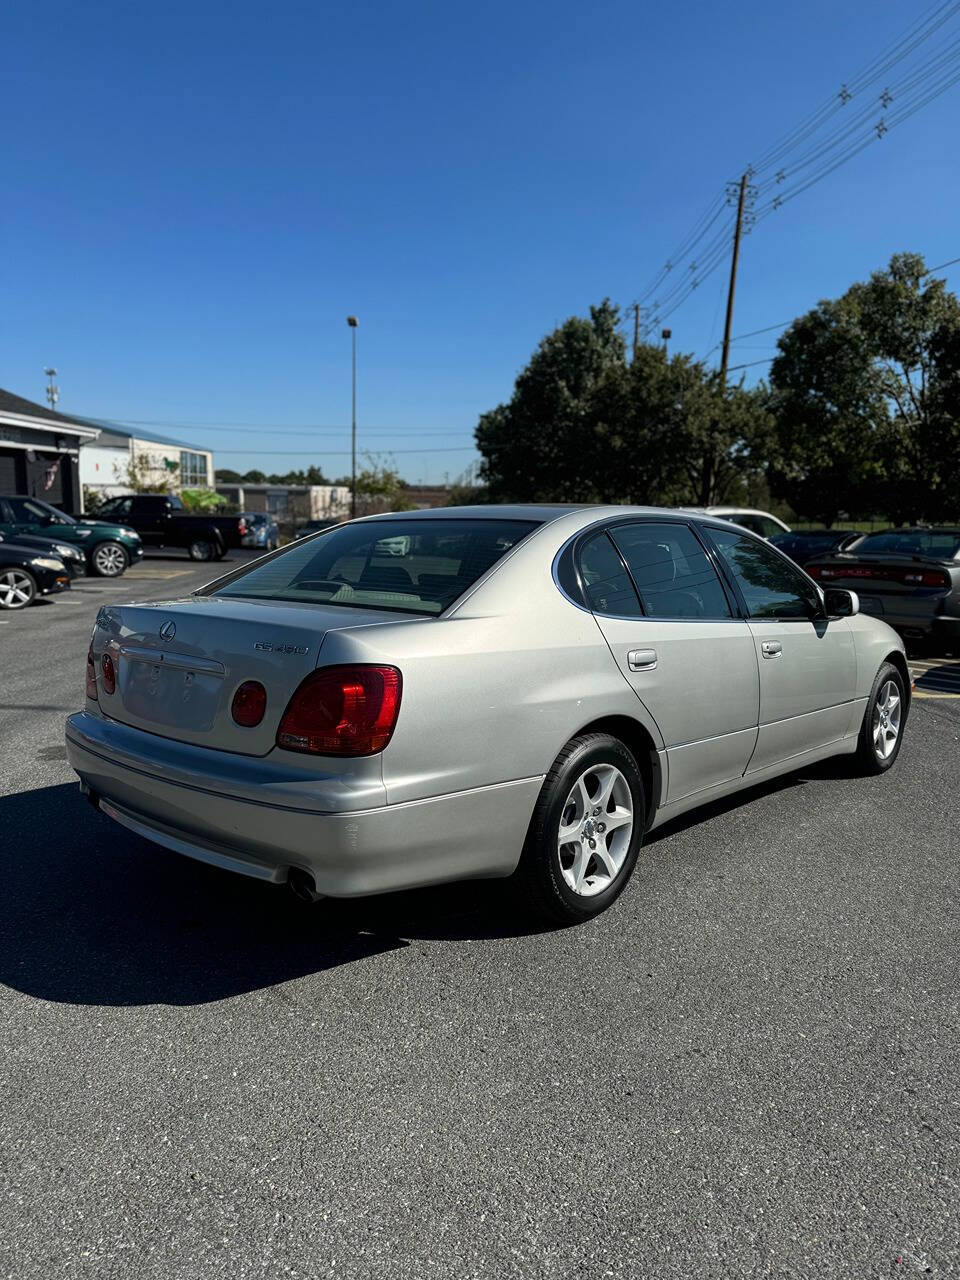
347	851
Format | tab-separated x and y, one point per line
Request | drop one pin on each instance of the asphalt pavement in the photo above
748	1067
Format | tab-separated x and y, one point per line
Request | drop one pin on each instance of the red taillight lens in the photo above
249	703
342	711
91	675
814	570
242	526
109	674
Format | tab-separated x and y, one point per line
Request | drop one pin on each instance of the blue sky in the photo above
196	195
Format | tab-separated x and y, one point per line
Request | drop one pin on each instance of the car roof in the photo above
575	514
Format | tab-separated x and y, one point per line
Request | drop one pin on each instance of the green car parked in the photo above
109	548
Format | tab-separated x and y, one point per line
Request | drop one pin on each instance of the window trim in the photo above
731	577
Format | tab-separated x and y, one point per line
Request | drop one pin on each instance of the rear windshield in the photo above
413	566
911	542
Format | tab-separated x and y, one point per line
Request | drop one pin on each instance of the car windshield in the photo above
412	566
911	542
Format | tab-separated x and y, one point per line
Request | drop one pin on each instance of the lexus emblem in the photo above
168	630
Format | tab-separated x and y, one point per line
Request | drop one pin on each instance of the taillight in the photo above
342	711
242	526
249	703
109	674
91	676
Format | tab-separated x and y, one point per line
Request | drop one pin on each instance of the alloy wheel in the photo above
16	589
109	560
886	719
596	826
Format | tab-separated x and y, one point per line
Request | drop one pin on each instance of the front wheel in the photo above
109	560
881	732
586	830
17	588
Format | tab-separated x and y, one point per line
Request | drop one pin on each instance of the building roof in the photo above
141	433
18	406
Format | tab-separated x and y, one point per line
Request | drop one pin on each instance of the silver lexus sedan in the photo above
479	691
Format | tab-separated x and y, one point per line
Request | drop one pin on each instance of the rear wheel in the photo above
17	588
586	830
109	560
881	732
202	549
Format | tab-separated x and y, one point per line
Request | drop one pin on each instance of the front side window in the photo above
771	587
606	584
413	566
29	511
672	571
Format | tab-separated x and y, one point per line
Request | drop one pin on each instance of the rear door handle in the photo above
771	648
642	659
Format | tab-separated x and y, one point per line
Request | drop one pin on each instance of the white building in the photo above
290	503
157	460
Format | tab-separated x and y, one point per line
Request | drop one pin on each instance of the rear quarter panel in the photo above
492	692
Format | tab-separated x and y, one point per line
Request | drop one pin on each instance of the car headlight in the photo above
65	552
44	562
130	533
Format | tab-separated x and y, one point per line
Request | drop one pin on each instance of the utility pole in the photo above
352	322
636	329
733	284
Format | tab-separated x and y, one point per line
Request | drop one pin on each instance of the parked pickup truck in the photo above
161	521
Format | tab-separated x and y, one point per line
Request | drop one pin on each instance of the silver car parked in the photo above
487	691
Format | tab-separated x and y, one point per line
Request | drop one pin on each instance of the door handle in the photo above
771	648
642	659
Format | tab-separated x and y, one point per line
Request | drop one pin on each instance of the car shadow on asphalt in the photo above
92	914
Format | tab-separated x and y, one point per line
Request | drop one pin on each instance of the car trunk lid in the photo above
179	663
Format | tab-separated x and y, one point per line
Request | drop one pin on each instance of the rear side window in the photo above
606	584
770	585
413	566
672	571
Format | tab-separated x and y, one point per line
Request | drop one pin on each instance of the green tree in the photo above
584	425
861	395
547	443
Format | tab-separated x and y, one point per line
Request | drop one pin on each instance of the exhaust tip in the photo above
301	885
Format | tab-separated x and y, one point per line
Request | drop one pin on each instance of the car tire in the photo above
202	549
109	560
594	778
884	719
18	588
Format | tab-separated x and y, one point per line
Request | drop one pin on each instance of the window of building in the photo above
193	469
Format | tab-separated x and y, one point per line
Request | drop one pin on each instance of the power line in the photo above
337	453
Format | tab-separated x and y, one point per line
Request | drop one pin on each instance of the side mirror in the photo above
840	603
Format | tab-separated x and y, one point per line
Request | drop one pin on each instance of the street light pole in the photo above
352	322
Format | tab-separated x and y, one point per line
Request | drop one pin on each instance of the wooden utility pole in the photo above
636	329
733	284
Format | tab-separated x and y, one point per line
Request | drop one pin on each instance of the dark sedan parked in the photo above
908	577
804	545
26	572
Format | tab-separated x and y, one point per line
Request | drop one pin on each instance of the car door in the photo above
671	625
807	662
150	518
